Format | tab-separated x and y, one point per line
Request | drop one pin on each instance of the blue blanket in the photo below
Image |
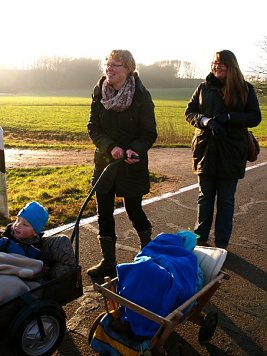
163	275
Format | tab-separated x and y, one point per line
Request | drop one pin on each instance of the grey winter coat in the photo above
224	156
134	128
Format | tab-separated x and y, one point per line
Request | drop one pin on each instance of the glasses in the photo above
218	64
113	65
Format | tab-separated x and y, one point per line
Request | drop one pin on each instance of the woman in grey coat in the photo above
221	109
122	125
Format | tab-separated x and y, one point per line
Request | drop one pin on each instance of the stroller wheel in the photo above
38	331
94	326
208	328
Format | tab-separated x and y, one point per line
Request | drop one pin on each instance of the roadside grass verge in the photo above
62	190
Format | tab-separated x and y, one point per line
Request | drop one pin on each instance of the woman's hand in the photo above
117	152
222	119
131	157
216	129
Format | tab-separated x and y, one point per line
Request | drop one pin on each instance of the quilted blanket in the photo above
13	268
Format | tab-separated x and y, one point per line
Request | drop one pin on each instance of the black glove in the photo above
216	129
222	118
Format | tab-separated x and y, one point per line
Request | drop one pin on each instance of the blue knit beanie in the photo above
35	214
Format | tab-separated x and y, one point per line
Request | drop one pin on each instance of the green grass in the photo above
261	130
171	93
172	128
44	122
61	190
60	122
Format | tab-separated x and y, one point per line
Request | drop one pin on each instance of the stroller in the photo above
34	322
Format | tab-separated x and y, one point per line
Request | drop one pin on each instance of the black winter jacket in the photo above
133	128
29	247
224	156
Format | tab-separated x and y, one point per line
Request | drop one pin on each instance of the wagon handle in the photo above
109	294
75	232
215	283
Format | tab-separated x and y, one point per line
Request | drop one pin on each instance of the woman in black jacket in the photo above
221	109
122	125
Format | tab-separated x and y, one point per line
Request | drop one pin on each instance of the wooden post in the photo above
3	190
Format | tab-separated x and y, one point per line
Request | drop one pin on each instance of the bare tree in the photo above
258	73
261	68
187	70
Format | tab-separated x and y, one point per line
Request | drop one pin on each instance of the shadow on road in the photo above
248	271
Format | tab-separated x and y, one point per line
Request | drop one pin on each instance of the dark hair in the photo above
235	88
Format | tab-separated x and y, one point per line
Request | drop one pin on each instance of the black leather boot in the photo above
145	236
107	266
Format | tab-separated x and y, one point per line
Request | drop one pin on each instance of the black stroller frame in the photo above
34	324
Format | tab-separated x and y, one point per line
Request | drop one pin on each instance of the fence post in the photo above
3	190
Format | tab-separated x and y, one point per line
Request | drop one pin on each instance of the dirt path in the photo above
159	158
174	163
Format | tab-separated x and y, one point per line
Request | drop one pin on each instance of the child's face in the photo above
22	229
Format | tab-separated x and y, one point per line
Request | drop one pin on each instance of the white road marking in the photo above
92	219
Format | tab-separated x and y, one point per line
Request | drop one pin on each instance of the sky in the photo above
153	30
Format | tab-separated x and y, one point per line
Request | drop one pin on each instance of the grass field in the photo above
60	122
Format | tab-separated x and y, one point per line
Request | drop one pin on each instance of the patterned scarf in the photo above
121	100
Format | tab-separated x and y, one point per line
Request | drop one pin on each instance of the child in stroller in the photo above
24	252
32	317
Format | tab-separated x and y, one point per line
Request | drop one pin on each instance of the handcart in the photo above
211	261
34	323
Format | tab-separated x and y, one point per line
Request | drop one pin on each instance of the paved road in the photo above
239	302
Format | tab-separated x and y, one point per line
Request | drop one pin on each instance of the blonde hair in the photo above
235	88
125	57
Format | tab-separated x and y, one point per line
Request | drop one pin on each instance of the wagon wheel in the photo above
176	350
208	328
173	346
94	326
38	332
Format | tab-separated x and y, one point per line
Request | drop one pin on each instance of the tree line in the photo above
73	74
58	73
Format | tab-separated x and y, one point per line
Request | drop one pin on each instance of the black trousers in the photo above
105	210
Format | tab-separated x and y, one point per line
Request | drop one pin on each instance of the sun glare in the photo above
155	31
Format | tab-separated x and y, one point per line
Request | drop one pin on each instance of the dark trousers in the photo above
223	189
105	210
